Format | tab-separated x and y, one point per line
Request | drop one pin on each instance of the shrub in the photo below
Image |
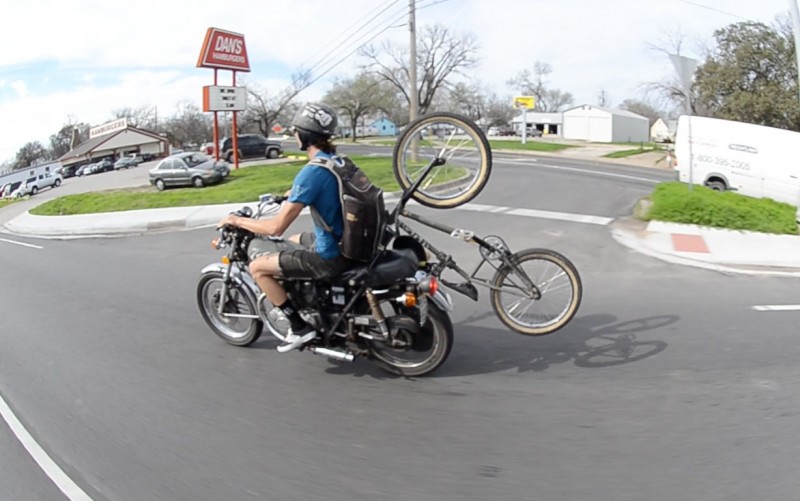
674	202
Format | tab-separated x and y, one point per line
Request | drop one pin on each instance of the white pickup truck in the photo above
34	184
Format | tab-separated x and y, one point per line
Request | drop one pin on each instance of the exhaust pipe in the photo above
341	356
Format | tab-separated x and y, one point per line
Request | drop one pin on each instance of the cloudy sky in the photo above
82	59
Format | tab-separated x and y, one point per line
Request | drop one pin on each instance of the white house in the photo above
661	132
605	125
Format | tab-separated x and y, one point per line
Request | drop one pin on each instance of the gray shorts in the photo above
298	261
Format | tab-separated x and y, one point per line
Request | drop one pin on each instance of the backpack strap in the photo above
327	163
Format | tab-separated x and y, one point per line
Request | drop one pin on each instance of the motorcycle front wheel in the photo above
239	323
427	353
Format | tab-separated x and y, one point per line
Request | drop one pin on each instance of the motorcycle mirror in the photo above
266	198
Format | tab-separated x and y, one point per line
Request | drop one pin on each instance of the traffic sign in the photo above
527	102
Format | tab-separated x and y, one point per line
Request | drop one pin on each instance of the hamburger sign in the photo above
224	50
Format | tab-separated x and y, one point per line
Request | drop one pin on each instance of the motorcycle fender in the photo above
243	279
443	300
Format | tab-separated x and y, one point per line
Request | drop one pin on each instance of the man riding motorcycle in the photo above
308	255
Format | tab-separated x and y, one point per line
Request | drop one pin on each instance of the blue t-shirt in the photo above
317	187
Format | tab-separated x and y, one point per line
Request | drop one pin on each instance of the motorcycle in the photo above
389	310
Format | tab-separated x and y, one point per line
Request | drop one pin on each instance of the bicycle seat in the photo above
392	266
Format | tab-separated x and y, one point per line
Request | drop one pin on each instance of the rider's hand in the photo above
229	220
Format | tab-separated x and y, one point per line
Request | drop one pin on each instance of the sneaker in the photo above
293	340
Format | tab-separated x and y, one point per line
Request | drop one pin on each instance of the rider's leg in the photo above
263	271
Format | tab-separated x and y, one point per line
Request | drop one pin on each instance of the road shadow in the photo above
591	342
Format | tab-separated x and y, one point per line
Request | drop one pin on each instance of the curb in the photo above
624	231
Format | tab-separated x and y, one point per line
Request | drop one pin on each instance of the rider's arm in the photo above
274	226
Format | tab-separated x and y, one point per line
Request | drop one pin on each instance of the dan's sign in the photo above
225	50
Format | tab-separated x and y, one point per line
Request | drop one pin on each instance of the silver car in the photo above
188	169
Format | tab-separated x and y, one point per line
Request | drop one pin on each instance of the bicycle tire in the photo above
470	147
572	296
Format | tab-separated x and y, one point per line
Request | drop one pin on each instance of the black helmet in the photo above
318	119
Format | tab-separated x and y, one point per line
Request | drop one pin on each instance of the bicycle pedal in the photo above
465	288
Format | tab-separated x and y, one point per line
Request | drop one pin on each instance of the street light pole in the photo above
412	64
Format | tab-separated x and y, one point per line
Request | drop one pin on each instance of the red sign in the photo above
225	50
277	128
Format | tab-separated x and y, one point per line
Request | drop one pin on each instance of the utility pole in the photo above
796	21
412	26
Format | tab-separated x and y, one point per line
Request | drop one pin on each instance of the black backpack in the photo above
363	211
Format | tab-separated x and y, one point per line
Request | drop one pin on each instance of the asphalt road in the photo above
667	385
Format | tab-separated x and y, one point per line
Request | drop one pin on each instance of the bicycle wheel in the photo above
558	283
455	141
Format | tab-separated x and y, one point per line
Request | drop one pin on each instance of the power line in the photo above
713	9
334	49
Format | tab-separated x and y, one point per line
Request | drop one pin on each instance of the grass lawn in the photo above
243	185
674	202
630	153
4	202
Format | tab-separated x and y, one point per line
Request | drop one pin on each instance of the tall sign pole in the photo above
224	50
526	103
796	22
686	67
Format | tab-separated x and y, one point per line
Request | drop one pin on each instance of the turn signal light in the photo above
226	260
409	299
429	286
433	286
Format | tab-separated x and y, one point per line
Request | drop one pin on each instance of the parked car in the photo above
188	169
531	132
34	184
251	146
124	163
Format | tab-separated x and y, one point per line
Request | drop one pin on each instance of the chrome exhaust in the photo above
341	356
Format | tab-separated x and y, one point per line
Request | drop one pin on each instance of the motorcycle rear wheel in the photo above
237	331
400	361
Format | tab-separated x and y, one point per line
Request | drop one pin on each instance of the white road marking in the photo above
777	307
588	171
48	466
540	214
21	243
533	213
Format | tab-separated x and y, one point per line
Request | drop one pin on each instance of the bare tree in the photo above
357	97
469	99
499	110
30	154
440	55
188	125
68	137
532	83
263	109
641	108
143	117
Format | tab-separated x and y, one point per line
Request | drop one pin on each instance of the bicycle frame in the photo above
445	260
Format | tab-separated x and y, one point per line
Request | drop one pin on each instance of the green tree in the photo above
750	76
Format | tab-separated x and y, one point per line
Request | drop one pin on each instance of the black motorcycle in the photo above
389	310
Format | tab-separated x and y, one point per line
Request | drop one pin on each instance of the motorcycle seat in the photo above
392	265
